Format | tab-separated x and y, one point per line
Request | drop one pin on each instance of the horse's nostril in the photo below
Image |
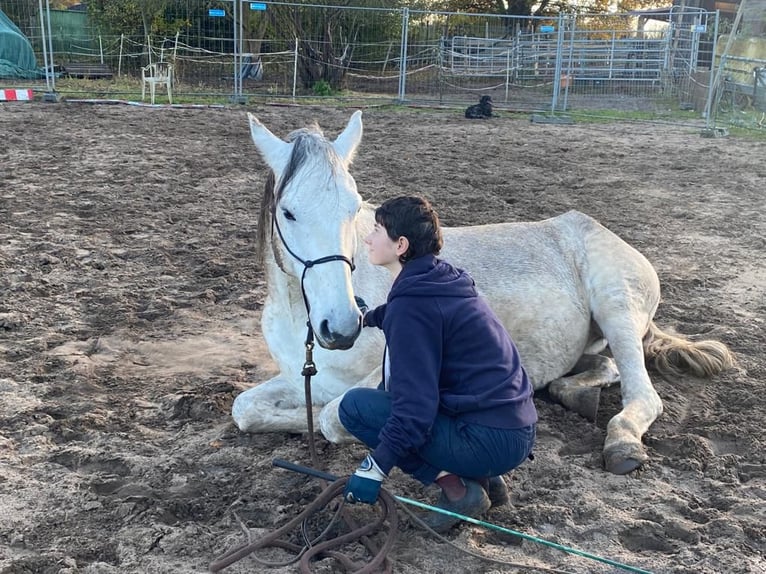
324	330
335	340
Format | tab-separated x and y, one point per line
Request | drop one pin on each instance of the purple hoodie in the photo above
448	353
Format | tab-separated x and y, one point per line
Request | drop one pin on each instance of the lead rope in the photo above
319	546
389	506
311	548
308	371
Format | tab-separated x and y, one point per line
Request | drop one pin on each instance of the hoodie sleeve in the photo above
375	317
414	337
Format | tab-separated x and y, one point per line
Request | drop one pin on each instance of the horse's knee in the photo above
245	412
272	406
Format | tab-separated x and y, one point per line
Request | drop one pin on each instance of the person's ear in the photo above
402	245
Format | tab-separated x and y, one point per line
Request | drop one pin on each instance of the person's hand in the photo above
364	485
362	307
361	304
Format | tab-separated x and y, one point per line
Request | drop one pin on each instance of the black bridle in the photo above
308	264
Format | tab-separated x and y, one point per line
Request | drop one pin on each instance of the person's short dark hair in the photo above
414	218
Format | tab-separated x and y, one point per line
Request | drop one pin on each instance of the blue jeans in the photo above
467	449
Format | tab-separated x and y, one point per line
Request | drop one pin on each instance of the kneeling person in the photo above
455	405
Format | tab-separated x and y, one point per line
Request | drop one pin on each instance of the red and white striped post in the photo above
16	95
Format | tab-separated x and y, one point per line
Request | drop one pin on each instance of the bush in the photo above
322	88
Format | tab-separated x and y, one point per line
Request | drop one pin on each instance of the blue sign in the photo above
547	29
257	6
216	13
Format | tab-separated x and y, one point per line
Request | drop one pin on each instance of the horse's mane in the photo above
308	142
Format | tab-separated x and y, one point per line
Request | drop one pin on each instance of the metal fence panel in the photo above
270	50
739	63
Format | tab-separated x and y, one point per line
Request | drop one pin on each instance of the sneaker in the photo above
474	503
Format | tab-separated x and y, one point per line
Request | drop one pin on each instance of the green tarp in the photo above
17	59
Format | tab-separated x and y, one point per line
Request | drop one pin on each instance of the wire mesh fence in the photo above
740	71
644	61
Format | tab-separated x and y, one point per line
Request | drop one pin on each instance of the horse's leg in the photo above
623	316
330	425
624	292
623	451
279	404
580	389
329	422
276	405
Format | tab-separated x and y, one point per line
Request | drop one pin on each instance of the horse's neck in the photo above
365	221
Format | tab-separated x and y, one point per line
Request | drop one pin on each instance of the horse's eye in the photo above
288	215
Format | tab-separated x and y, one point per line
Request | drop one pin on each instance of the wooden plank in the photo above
728	7
87	70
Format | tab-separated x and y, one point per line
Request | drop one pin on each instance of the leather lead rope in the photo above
308	371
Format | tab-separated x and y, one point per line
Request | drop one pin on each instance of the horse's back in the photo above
530	274
546	280
568	251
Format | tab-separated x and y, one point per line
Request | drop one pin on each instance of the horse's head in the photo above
307	215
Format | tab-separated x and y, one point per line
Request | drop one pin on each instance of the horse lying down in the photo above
566	288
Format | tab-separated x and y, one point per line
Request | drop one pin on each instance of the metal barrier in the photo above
569	62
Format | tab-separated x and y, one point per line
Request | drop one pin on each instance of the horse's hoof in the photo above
620	464
624	466
582	400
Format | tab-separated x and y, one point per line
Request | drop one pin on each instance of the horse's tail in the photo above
675	354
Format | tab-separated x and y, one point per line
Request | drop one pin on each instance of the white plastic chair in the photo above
158	73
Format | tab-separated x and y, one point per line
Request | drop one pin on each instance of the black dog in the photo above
481	110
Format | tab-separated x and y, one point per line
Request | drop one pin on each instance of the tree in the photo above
542	7
326	35
138	17
504	7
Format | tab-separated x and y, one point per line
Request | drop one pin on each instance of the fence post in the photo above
507	70
235	23
295	67
570	57
45	47
119	59
403	54
709	119
50	43
557	67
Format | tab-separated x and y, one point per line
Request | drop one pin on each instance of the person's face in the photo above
382	250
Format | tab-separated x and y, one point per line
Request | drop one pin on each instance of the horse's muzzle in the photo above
333	340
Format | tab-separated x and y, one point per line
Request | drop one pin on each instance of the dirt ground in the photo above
129	320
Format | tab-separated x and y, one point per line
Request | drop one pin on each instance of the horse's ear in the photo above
275	152
347	142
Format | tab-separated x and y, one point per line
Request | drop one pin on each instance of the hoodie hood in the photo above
428	276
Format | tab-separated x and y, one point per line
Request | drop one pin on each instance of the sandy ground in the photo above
129	319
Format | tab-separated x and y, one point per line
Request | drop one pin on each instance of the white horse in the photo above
565	288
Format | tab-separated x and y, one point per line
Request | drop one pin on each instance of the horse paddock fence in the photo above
635	63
